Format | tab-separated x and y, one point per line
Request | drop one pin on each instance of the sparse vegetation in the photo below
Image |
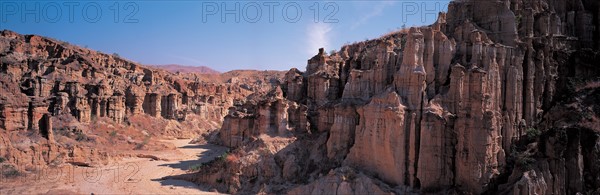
112	136
395	32
403	40
524	161
196	167
94	120
264	152
57	161
80	136
143	143
593	192
8	171
521	159
2	159
532	133
223	156
333	51
586	114
116	55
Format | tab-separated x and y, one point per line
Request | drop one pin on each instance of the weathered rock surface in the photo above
495	97
383	119
44	80
270	116
471	103
342	181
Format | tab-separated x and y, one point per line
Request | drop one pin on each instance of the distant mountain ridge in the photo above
186	69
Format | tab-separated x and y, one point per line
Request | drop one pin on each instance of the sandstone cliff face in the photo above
380	120
273	116
341	181
497	96
88	84
42	78
471	103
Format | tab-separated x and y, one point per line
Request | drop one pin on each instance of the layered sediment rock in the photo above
342	181
462	104
270	116
383	119
42	80
87	84
496	96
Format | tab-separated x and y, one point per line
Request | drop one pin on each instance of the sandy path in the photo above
128	176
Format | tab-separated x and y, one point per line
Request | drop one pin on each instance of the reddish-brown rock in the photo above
90	95
381	139
494	97
342	181
456	105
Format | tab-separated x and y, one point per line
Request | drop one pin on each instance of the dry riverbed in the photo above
136	175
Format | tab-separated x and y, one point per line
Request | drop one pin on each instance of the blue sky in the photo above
275	35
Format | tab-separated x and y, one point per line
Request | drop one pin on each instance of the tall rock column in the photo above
380	139
478	136
438	140
116	108
37	108
410	79
169	105
295	85
341	136
513	89
134	100
152	104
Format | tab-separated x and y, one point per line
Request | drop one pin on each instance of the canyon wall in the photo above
65	79
44	80
461	105
496	96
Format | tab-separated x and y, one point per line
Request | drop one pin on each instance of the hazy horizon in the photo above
229	35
